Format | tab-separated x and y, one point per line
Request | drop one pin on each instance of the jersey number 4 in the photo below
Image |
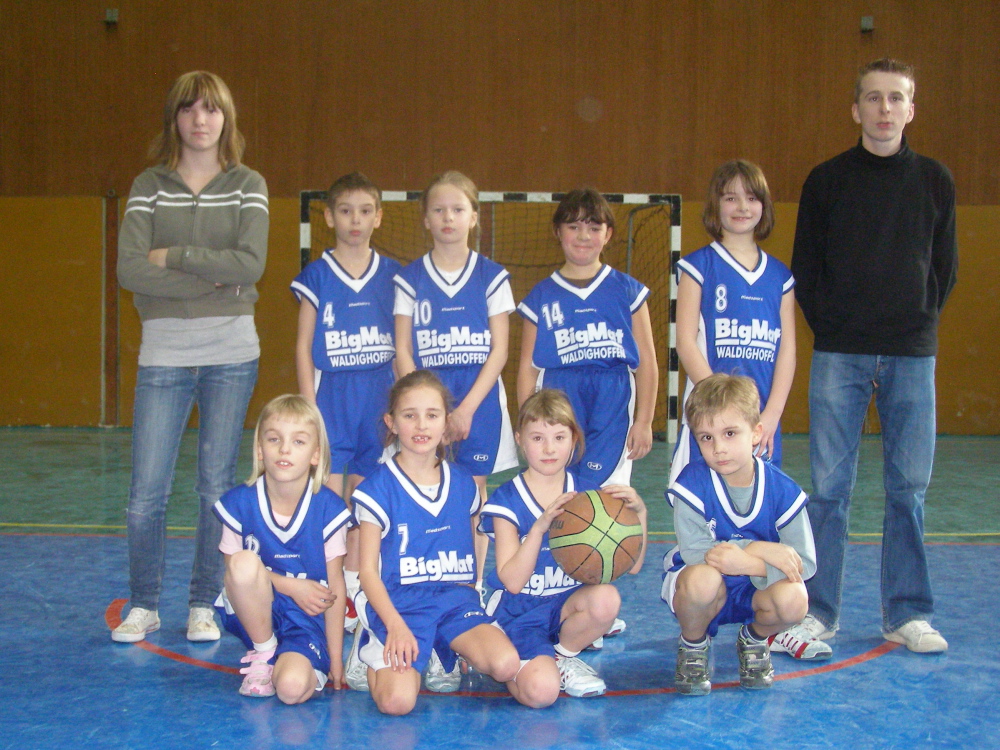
328	315
553	315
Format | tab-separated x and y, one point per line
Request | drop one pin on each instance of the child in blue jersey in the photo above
417	561
283	540
735	304
744	543
587	332
344	351
452	308
549	617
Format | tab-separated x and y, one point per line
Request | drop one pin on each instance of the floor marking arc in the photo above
113	618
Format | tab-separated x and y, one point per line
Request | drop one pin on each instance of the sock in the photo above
700	643
561	650
268	645
748	633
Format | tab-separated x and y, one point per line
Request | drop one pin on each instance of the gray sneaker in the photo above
437	680
756	672
691	677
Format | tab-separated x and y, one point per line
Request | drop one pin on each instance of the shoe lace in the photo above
570	666
920	627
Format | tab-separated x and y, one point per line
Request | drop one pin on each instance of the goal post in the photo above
515	230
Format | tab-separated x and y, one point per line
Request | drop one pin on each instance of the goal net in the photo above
515	230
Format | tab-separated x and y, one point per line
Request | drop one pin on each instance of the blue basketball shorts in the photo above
490	446
296	632
531	622
739	599
436	614
603	401
352	404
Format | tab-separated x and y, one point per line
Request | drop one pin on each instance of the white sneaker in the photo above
920	637
437	680
617	628
356	672
816	629
201	625
134	627
799	642
578	679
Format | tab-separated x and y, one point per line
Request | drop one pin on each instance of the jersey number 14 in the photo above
553	315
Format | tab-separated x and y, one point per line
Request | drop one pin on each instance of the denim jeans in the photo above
164	397
840	389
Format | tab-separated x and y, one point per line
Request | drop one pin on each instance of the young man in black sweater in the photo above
874	261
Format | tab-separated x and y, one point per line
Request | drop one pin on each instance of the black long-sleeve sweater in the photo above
875	255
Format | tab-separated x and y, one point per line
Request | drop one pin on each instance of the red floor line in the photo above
113	618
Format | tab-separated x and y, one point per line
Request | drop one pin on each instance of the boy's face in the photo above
354	217
727	443
883	110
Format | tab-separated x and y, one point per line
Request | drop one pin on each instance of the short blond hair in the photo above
719	392
189	88
552	406
294	408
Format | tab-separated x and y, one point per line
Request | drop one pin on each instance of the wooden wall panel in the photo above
644	95
50	305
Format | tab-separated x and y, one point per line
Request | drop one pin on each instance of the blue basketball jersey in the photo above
775	501
354	320
514	502
451	325
740	327
295	550
424	539
585	327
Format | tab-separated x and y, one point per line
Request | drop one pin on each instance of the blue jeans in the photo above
840	389
164	397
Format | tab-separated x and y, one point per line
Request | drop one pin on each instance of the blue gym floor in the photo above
66	685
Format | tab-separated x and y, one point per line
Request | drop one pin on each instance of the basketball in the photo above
596	539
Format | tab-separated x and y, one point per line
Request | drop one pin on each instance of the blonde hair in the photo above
552	407
294	408
719	392
753	181
418	379
457	180
189	88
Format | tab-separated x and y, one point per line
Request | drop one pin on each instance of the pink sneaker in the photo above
257	683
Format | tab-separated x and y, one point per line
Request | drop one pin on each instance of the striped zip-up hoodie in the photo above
216	240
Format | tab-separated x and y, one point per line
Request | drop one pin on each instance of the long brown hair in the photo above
189	88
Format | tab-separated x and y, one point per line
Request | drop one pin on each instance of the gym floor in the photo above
62	503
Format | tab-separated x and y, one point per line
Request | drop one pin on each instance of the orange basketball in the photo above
596	538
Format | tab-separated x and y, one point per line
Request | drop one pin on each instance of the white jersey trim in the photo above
582	292
749	276
356	285
301	511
